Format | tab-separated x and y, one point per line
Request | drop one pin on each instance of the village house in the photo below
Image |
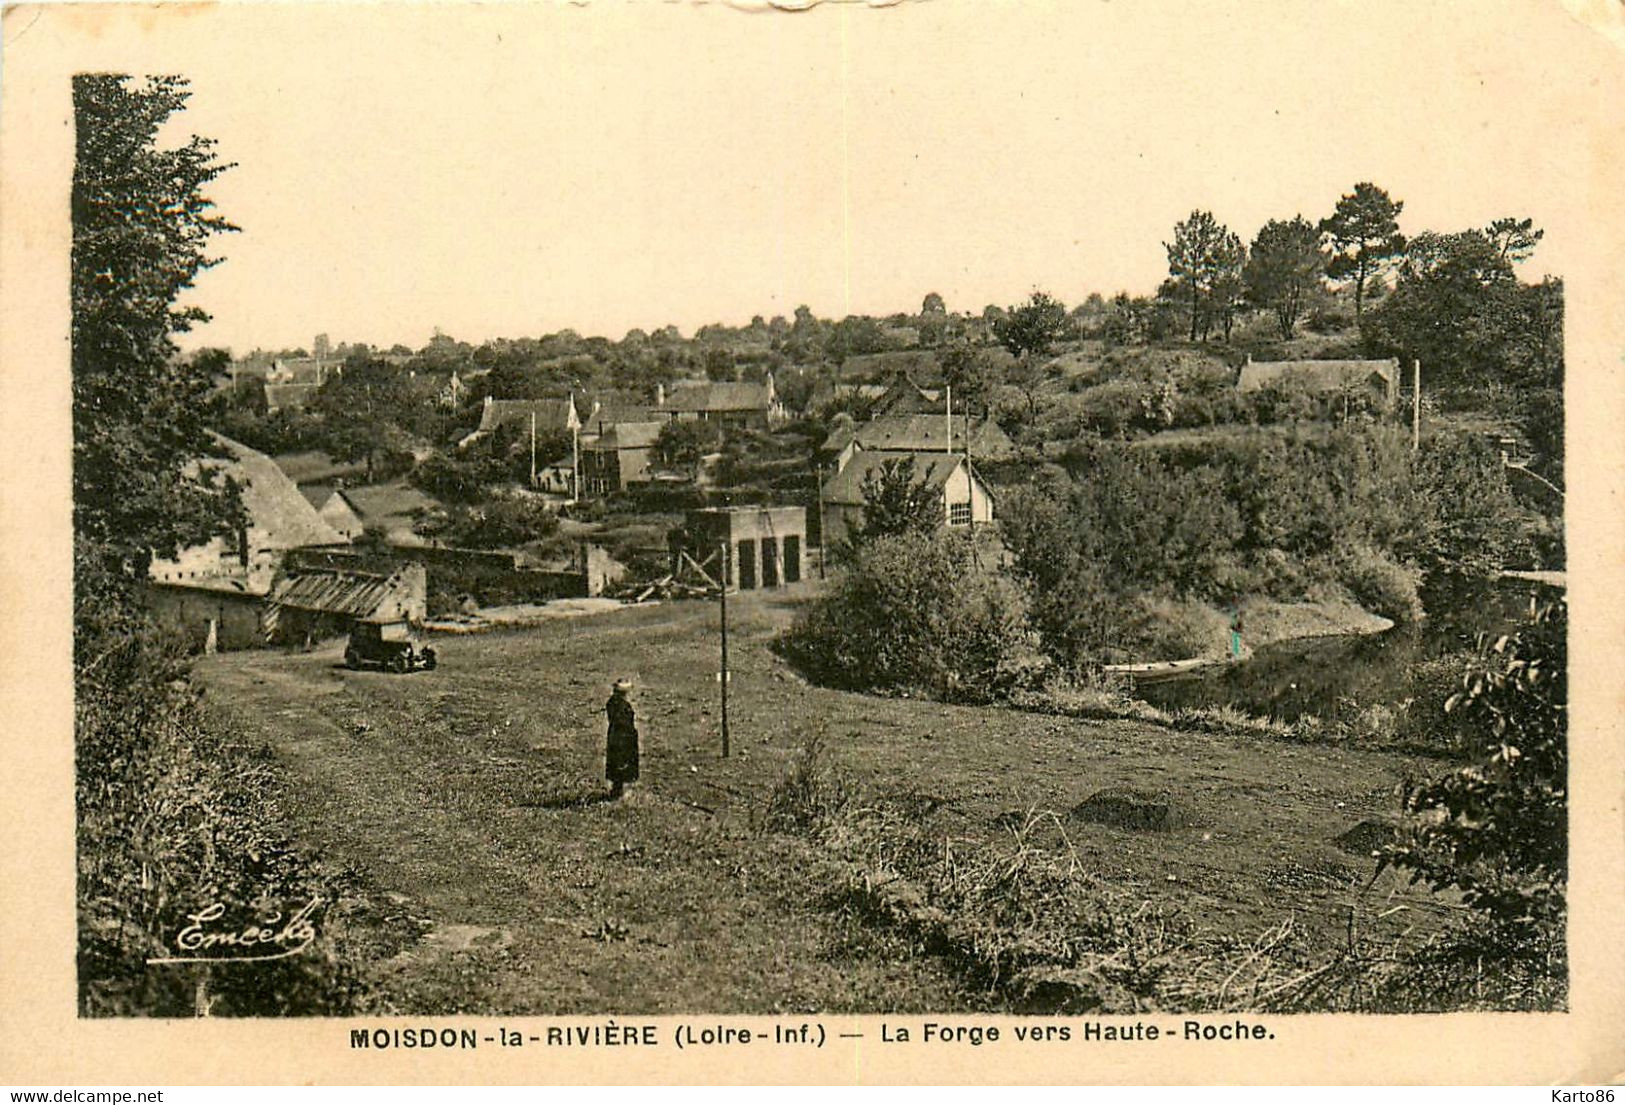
1376	380
917	433
736	405
336	510
964	496
617	457
547	416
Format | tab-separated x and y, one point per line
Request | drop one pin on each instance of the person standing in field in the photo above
621	752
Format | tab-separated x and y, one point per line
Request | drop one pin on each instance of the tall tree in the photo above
1027	330
1459	309
1365	238
141	225
1284	269
897	500
1514	239
1203	256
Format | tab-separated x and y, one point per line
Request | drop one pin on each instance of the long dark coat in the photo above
621	753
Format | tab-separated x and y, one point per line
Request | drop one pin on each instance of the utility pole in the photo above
575	463
823	535
722	677
533	447
1416	406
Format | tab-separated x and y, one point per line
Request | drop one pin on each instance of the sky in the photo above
506	171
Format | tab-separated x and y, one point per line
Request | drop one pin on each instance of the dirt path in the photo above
467	800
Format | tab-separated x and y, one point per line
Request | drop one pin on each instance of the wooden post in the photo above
532	448
823	534
1416	406
723	677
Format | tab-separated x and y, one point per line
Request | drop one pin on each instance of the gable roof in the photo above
617	413
626	435
1318	375
278	515
846	486
551	414
720	397
923	433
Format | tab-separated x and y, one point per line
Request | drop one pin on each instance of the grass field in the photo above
487	875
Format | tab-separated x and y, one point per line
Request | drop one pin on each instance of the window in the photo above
959	514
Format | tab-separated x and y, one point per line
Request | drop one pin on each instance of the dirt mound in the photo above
1366	837
1128	808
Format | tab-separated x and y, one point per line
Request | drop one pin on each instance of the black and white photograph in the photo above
1030	515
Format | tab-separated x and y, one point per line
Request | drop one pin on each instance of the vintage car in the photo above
391	646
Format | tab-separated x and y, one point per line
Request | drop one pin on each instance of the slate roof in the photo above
552	415
719	397
626	435
923	432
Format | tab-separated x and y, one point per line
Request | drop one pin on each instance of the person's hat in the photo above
622	685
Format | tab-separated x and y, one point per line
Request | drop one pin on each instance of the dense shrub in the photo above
174	817
912	615
497	523
1166	629
1378	584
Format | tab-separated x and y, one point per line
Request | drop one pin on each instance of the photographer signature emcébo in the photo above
272	938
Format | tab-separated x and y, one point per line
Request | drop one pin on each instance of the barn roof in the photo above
1319	375
352	594
278	515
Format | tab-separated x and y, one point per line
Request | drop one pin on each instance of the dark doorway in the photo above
770	562
747	565
792	559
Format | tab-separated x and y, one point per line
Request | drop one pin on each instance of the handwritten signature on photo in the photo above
205	941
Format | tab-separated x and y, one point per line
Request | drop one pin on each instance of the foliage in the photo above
172	818
897	501
912	614
1497	831
1205	262
1029	328
1284	269
1274	514
141	225
1460	310
685	442
1379	584
492	524
1365	239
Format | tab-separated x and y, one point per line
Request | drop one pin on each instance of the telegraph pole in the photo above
1416	406
823	535
533	448
722	676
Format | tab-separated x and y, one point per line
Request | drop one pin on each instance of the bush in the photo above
908	616
1165	629
1379	584
172	818
500	523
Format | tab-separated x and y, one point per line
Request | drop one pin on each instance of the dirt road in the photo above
493	878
